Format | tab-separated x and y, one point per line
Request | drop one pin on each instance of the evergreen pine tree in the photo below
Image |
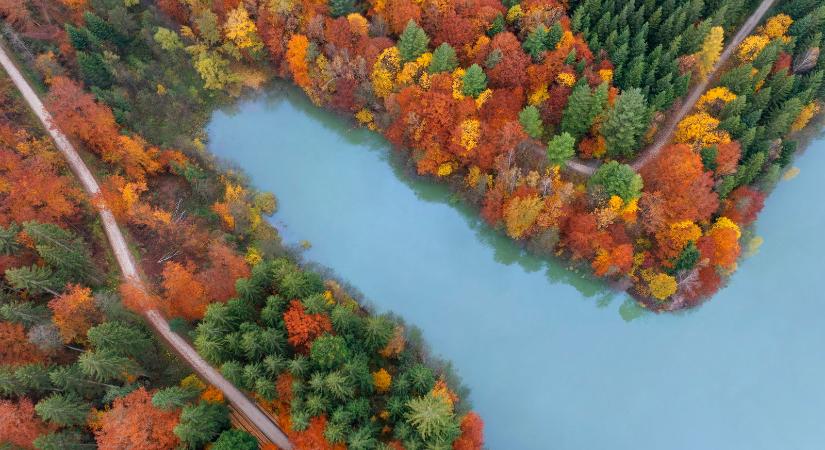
554	36
94	70
62	250
474	81
625	124
8	239
560	149
173	397
202	423
497	26
339	8
81	39
102	30
444	59
413	42
63	409
35	280
536	43
530	120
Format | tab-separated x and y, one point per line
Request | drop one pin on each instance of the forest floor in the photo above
239	402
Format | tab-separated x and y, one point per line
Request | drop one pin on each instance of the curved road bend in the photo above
240	402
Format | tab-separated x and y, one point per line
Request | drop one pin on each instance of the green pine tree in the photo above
553	36
174	397
235	440
81	39
35	280
444	59
474	81
8	239
561	148
612	178
625	124
104	366
536	43
413	42
339	8
530	120
202	423
64	251
63	409
94	69
497	26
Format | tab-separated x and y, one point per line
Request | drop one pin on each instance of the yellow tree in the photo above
711	50
241	30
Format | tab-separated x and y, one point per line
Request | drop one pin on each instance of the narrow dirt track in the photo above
665	134
240	402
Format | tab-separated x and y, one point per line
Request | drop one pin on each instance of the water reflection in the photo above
506	251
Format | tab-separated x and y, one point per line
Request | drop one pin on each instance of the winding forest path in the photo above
239	402
665	134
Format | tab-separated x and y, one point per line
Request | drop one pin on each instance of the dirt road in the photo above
665	134
240	402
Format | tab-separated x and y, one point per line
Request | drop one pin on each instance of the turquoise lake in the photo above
554	360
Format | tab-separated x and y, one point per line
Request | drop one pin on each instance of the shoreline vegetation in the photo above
333	373
490	97
497	109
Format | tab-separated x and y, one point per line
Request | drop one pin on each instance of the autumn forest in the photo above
634	140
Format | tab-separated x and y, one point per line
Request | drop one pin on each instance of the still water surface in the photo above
555	361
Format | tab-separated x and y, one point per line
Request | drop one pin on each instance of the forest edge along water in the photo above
552	358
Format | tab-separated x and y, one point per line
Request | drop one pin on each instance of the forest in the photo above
80	368
505	102
541	113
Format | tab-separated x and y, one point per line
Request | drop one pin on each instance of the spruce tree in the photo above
625	124
560	149
497	26
530	120
582	108
102	30
413	42
235	440
64	251
536	43
202	423
8	239
474	81
26	313
35	280
612	178
63	409
94	70
339	8
81	39
554	36
104	366
173	397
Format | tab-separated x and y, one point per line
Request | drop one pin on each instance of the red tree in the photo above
226	267
15	348
303	328
18	424
132	422
472	433
743	205
686	188
184	293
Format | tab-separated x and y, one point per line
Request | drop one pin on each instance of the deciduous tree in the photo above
133	422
